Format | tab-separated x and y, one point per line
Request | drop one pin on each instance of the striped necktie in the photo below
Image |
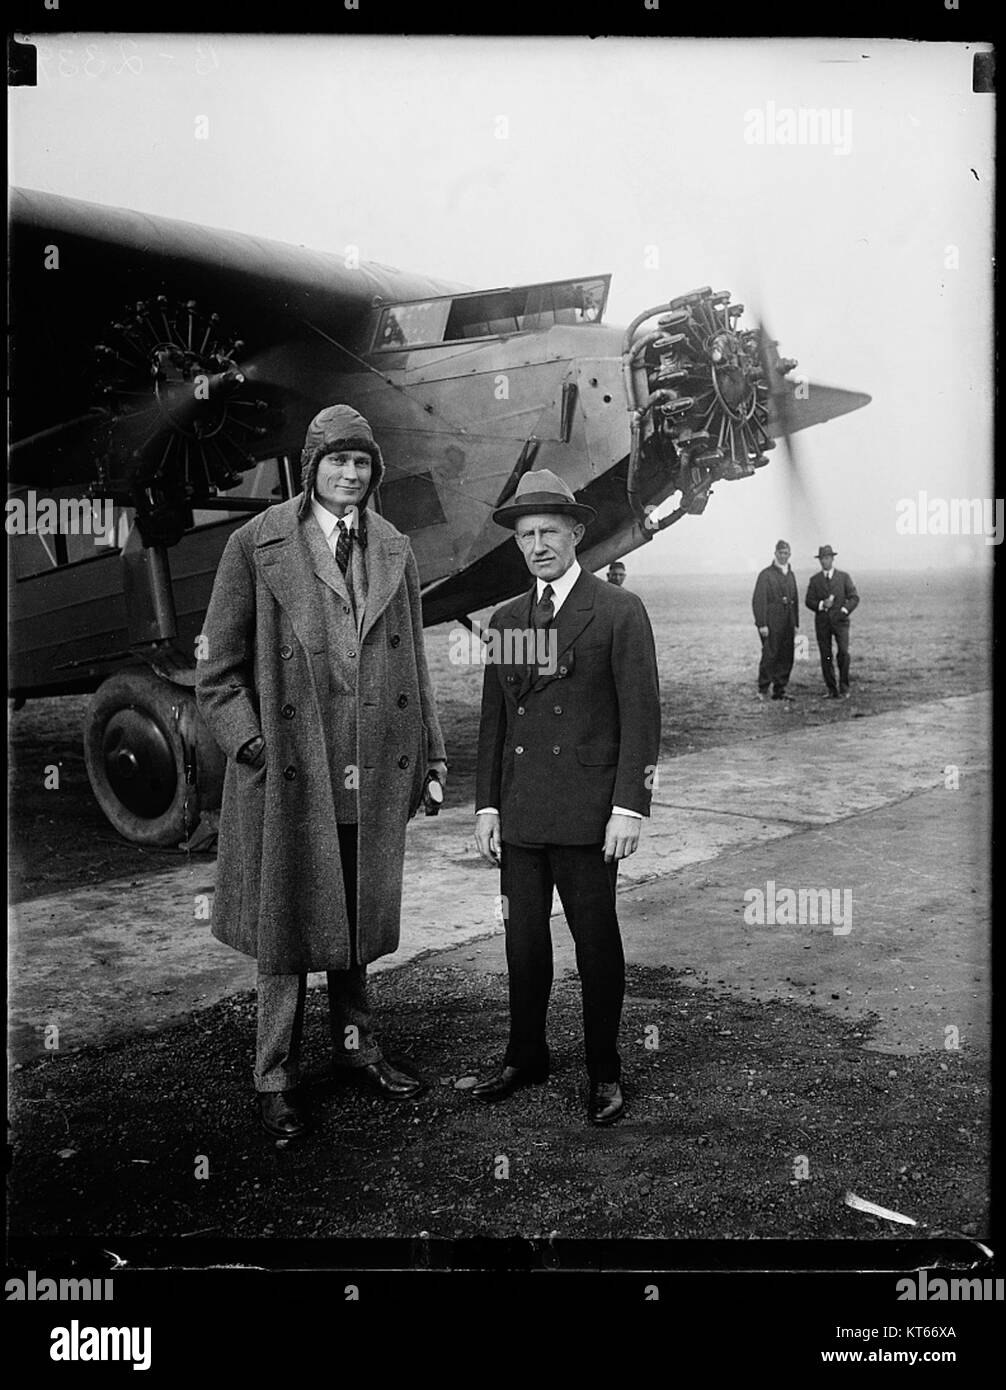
343	546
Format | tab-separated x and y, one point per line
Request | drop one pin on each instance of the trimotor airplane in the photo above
163	375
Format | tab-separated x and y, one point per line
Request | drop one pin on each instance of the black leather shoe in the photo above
607	1104
507	1080
385	1079
282	1115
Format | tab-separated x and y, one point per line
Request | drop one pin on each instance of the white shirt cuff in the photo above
487	811
621	811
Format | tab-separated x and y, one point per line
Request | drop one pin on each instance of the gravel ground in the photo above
109	1140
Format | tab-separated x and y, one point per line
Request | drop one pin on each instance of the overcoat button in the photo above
288	711
395	640
555	749
286	652
403	700
520	709
345	607
290	773
563	670
351	655
557	709
518	749
511	680
403	761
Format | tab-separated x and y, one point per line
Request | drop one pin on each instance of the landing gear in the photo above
152	764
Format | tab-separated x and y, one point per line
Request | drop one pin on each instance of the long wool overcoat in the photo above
265	669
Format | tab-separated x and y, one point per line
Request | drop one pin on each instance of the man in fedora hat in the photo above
314	682
776	605
568	745
832	598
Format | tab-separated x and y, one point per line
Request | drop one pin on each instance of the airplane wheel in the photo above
151	762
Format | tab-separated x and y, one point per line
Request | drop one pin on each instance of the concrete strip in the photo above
806	777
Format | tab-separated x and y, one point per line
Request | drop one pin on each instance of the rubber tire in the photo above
170	711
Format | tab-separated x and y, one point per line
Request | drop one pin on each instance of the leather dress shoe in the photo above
386	1080
607	1104
282	1116
507	1080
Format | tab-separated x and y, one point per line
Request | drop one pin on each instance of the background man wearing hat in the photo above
776	606
566	761
315	684
832	598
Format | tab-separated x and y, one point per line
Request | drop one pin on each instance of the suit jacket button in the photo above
519	749
394	640
555	749
351	655
511	680
520	709
286	652
403	761
345	607
290	773
403	700
563	670
557	709
288	711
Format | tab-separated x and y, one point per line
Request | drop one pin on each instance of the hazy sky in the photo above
869	255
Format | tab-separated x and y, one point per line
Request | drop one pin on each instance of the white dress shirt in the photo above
330	523
561	588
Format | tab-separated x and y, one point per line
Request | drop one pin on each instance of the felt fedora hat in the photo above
542	491
825	550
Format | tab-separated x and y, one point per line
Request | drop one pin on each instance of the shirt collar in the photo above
784	568
829	573
328	522
562	585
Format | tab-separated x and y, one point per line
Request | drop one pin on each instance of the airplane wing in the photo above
78	269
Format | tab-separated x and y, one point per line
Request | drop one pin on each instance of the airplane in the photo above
163	375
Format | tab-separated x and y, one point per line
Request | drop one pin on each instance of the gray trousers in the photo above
281	1001
281	1023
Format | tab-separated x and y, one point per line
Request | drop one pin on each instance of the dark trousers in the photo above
825	635
586	887
281	1001
776	658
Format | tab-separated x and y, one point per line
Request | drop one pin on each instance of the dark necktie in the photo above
544	609
342	547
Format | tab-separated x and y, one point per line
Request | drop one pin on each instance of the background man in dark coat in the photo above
315	684
568	746
776	605
832	598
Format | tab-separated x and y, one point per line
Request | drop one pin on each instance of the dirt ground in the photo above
720	1115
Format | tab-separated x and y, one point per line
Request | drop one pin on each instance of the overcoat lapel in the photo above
285	561
386	557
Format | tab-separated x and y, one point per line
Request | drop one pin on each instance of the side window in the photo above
263	483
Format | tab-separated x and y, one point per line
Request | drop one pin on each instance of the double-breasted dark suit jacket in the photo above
842	587
557	751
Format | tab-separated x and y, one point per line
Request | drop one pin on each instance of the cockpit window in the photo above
491	313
